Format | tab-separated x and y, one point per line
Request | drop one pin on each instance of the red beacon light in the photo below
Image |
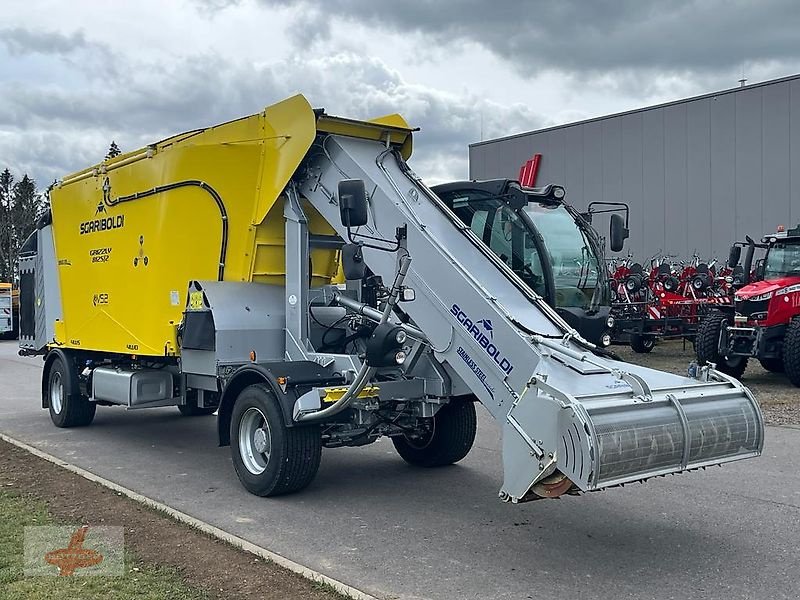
781	228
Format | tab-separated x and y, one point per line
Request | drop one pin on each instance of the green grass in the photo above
147	583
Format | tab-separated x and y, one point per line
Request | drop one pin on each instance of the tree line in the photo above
21	205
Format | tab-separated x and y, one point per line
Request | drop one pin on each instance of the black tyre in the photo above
773	365
791	352
270	458
449	439
671	284
67	408
642	344
633	283
190	409
707	346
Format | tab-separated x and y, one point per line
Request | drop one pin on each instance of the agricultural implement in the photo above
201	272
666	302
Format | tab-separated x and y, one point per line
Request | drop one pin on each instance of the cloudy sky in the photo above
75	75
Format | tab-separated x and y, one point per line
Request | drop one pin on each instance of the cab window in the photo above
503	231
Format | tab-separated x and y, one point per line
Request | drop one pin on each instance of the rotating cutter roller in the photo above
630	434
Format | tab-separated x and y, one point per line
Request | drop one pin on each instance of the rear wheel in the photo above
269	457
642	344
773	365
67	409
448	440
707	346
791	352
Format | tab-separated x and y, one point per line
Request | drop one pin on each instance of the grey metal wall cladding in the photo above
697	173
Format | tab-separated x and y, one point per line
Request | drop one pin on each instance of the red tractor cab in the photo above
764	321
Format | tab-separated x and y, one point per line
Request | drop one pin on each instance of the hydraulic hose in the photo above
366	372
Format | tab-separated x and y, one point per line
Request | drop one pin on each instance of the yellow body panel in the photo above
125	261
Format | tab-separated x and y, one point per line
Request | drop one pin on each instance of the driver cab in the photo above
503	230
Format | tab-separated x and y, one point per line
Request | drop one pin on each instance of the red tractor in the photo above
764	321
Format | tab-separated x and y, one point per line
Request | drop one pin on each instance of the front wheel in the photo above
67	409
269	457
642	344
707	346
791	352
449	439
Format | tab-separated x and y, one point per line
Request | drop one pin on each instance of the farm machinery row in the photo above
666	298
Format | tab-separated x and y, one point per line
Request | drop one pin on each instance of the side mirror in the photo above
734	256
353	265
619	233
760	269
353	202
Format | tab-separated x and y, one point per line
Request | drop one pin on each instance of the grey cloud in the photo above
20	41
211	7
90	59
599	36
159	100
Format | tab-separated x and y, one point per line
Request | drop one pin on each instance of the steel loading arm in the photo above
571	419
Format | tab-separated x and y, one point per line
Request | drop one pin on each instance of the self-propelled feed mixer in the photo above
290	273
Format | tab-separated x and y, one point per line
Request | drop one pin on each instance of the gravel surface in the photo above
779	399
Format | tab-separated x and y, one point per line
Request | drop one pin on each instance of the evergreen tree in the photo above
6	225
20	206
113	150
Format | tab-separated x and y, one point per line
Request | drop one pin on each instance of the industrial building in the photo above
697	173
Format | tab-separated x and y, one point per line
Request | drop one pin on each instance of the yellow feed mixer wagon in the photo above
289	272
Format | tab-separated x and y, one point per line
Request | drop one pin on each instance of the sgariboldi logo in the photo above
104	224
483	340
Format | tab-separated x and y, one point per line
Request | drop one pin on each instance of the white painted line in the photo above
218	533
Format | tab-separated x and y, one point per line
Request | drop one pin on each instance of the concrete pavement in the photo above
394	531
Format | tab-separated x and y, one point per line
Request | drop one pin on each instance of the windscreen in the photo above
783	260
575	265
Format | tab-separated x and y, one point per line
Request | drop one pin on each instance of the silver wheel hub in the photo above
56	393
255	440
260	440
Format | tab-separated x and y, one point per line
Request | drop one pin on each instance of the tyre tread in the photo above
707	345
453	438
791	352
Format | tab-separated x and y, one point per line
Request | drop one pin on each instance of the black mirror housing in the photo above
618	233
353	265
353	202
734	256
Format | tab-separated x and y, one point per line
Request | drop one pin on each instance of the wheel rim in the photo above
423	441
648	342
56	393
255	441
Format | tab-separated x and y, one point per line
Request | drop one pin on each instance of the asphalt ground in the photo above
398	532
